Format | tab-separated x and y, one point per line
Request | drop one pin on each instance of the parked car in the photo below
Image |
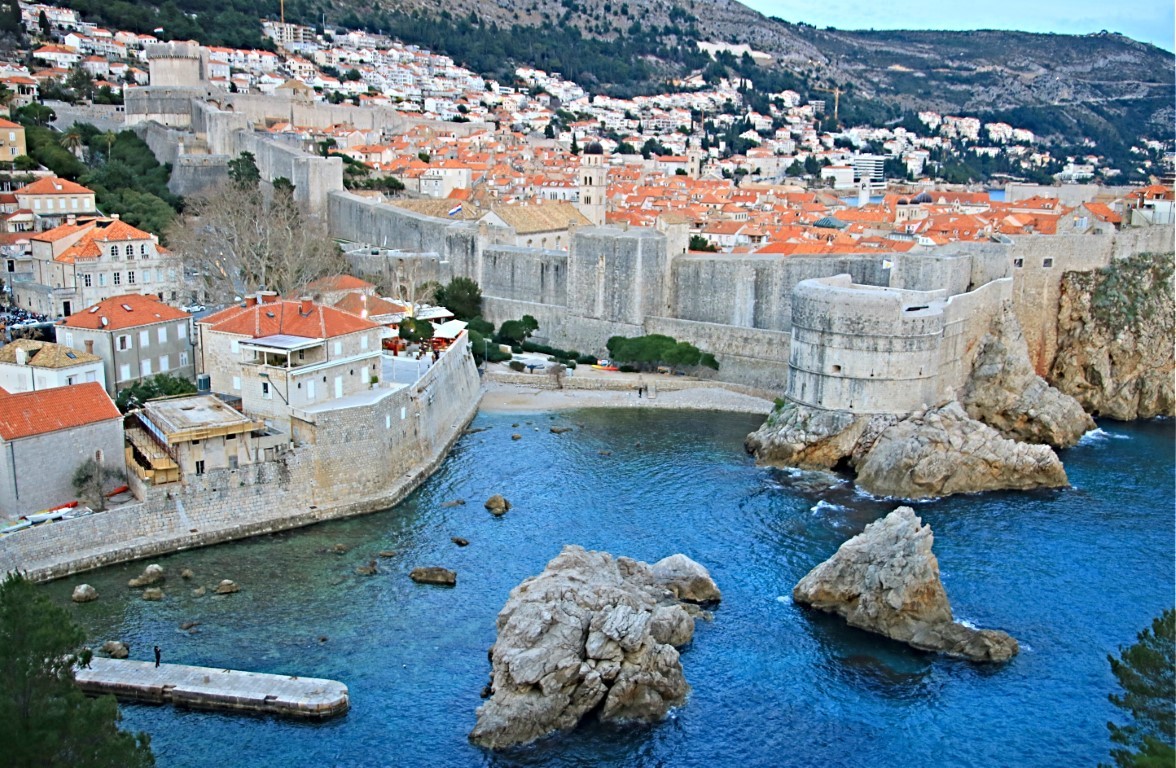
194	308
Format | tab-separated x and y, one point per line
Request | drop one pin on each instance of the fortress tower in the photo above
593	184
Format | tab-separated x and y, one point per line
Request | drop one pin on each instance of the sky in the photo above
1150	21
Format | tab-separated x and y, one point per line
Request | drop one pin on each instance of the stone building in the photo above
278	355
12	140
81	263
46	435
175	438
52	200
136	337
28	365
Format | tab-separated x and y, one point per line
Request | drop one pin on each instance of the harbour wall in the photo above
353	461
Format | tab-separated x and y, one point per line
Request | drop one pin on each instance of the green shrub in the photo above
628	369
516	366
586	360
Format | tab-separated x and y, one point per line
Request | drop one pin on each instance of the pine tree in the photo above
45	721
1146	672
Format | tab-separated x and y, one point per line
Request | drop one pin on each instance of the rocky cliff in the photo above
997	437
1115	338
591	633
886	580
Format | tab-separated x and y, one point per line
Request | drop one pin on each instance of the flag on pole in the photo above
455	210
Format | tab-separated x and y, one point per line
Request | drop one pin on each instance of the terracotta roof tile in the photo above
53	186
46	354
339	283
49	410
285	317
126	311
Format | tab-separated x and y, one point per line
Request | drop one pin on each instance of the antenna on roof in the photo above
103	322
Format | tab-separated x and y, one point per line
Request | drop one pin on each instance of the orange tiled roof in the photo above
285	317
366	306
50	410
127	311
340	283
53	186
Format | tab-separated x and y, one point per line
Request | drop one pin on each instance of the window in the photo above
142	249
161	333
338	347
200	466
130	252
1047	263
233	461
1018	263
88	280
70	380
363	342
36	205
144	338
182	330
124	372
164	364
183	359
91	376
235	346
130	277
102	279
145	367
237	382
114	251
118	278
310	389
74	200
265	391
68	339
124	342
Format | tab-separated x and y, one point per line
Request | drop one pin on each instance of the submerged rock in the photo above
459	541
153	593
434	575
590	633
886	580
942	451
152	574
227	587
115	649
84	593
497	504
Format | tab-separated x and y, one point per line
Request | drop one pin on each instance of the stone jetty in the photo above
217	689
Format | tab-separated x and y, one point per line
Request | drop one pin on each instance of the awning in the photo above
449	330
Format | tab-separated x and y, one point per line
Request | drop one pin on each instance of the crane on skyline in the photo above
836	91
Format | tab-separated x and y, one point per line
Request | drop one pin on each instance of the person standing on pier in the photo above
157	654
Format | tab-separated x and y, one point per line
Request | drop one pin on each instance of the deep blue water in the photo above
1072	574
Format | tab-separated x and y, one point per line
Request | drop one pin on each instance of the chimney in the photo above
251	300
71	219
22	356
267	297
114	217
305	305
89	346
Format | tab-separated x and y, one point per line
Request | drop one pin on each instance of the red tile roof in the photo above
53	186
339	283
126	311
279	316
49	410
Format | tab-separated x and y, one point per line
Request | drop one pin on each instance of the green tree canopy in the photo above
462	297
45	721
1146	672
648	352
243	170
159	385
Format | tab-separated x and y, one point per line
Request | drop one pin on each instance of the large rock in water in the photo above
1005	393
590	633
886	580
1116	338
798	435
942	451
152	574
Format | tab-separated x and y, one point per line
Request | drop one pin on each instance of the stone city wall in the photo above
751	356
382	457
104	117
1039	263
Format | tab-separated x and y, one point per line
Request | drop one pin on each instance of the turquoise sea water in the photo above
1072	574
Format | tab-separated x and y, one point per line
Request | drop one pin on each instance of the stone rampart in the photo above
104	117
751	356
361	220
1039	262
362	459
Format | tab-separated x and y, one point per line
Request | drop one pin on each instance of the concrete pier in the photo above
219	689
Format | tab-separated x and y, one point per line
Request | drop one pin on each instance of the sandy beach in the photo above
499	397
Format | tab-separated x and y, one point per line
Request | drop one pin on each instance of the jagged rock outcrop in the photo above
936	452
886	580
590	633
1006	393
797	435
941	451
1116	338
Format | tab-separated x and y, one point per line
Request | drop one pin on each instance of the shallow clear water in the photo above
1072	574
